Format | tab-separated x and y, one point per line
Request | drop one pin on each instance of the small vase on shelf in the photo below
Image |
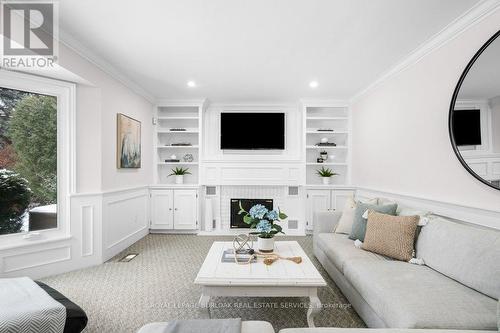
179	179
326	180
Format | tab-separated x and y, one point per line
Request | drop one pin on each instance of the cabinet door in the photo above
339	198
317	201
185	209
162	206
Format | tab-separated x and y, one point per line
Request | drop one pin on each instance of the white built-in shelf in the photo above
326	147
178	114
177	147
163	131
327	163
327	118
177	163
330	115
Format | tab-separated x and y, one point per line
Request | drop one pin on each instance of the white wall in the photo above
495	124
400	128
97	105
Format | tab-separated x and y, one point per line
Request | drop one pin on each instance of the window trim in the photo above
65	92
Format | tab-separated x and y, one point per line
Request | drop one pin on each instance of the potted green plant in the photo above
179	174
325	174
264	221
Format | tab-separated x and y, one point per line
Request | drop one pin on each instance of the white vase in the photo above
179	179
326	180
265	244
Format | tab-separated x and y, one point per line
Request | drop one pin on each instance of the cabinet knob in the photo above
170	209
175	208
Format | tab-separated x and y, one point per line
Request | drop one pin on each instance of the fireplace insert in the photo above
237	220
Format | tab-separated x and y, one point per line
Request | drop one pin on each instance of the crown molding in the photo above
474	15
325	102
180	102
83	51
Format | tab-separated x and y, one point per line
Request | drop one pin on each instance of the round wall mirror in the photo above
474	120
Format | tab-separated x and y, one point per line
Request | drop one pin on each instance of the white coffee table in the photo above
281	279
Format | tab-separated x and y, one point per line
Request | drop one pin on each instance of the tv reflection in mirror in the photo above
467	127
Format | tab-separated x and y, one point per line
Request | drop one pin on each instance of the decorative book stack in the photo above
241	256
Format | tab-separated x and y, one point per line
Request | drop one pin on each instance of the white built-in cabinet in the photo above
174	209
322	200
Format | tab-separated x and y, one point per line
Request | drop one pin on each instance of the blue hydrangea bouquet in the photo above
263	220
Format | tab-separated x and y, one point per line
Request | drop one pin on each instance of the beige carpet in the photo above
158	286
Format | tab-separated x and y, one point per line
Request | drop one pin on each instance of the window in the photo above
28	161
36	157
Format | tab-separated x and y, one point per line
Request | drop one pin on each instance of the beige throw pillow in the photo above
391	236
347	219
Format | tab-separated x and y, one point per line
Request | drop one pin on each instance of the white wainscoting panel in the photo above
36	258
125	219
101	225
487	218
87	230
48	256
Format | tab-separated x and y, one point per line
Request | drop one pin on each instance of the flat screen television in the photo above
257	130
467	127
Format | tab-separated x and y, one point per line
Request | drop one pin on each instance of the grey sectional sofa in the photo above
457	288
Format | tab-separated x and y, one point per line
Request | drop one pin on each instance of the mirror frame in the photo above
452	108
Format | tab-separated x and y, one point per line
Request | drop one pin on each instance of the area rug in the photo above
158	286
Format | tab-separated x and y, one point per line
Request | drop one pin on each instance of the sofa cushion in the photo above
391	236
468	254
412	296
359	225
347	219
339	249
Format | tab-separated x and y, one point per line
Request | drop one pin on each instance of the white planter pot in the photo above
326	180
179	179
265	244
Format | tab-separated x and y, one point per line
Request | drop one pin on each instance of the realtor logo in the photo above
29	31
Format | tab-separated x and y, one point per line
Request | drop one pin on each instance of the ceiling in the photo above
483	80
259	50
